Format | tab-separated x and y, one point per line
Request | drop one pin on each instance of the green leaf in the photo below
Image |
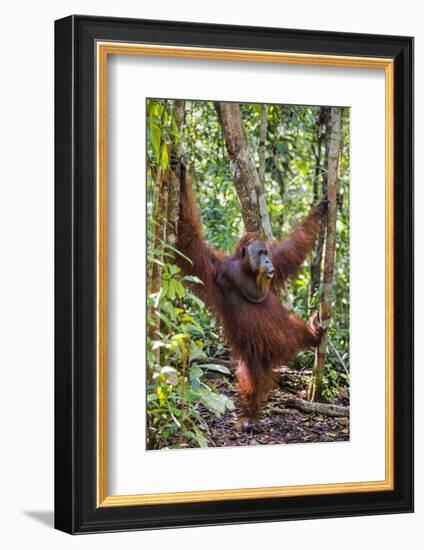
217	368
164	160
155	136
165	286
229	403
214	402
200	438
170	310
179	289
174	269
196	300
174	418
196	352
163	318
171	290
195	372
193	279
195	386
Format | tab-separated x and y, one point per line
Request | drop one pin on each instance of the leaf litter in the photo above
278	424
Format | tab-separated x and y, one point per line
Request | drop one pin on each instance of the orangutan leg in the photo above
254	382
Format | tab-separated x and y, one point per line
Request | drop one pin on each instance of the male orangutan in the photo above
241	291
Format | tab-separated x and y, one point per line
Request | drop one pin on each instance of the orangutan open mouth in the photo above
269	275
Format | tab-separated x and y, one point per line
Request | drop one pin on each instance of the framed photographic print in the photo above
234	274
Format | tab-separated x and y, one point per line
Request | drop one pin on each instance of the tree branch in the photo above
318	408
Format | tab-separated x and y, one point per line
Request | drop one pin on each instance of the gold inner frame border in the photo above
103	50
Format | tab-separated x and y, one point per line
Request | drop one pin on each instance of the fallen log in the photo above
315	407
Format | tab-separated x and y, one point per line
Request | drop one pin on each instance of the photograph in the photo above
248	274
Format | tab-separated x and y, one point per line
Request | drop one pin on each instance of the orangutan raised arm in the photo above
289	253
200	259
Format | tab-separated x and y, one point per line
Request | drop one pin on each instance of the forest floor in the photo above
279	424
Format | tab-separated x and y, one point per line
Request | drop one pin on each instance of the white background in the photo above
26	301
131	79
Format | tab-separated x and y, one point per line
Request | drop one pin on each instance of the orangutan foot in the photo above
247	425
316	326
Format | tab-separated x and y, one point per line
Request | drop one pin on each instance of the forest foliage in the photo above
184	343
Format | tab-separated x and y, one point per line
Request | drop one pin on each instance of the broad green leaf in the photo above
195	372
193	279
201	439
215	403
173	269
196	300
179	289
164	160
163	318
229	403
195	352
171	290
217	368
155	136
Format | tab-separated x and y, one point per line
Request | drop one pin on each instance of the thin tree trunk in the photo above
166	207
316	385
173	183
160	206
262	143
321	162
317	260
245	175
281	164
263	209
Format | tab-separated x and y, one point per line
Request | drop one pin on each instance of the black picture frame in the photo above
76	509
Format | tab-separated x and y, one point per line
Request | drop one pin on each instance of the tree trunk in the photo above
316	385
263	209
173	183
166	206
246	179
321	162
281	162
160	206
262	142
